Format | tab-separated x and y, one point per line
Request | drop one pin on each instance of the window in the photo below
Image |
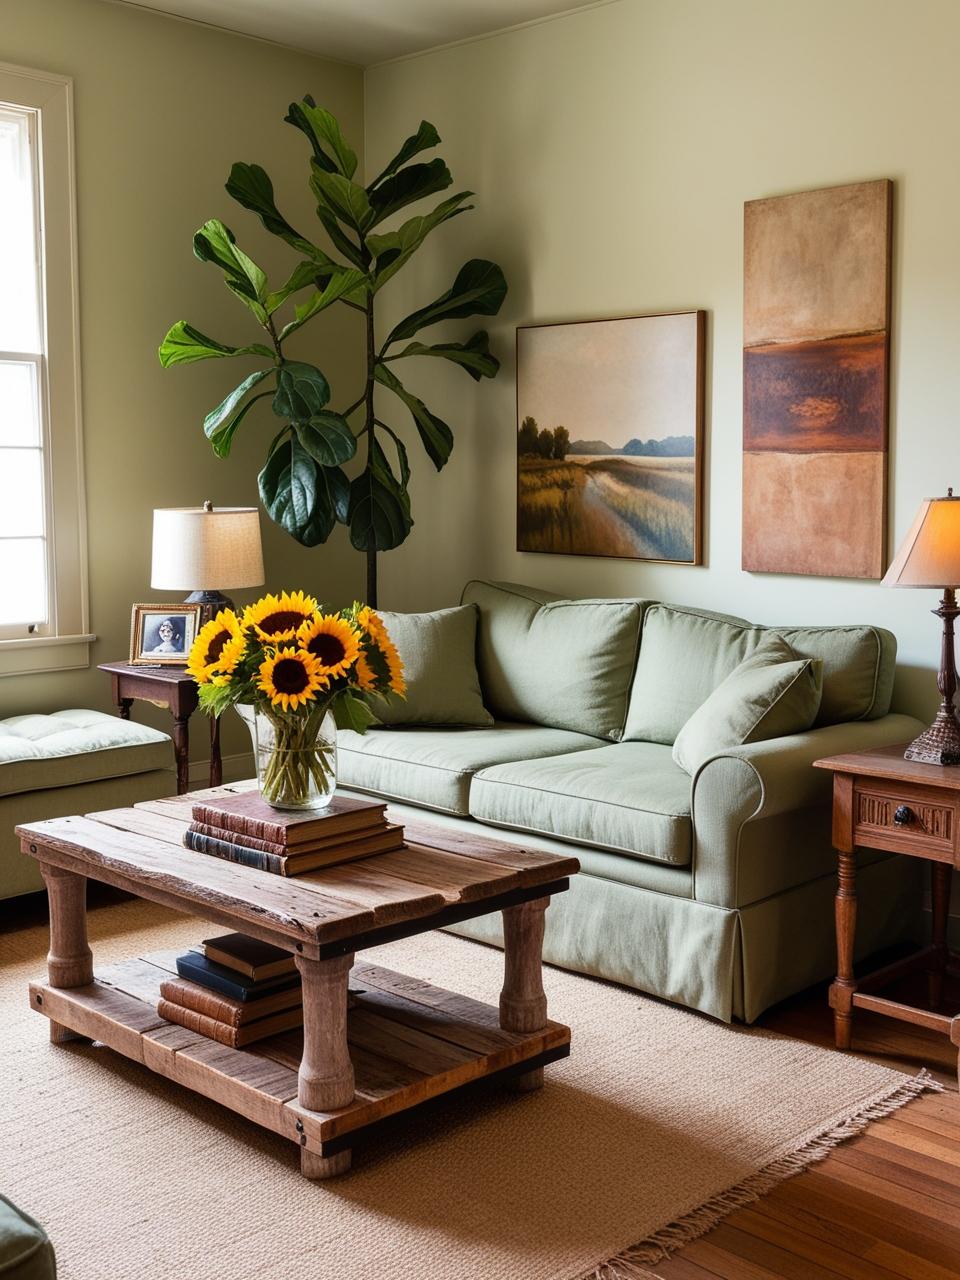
43	614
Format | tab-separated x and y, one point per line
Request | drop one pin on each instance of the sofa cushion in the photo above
769	695
434	767
629	798
25	1249
563	663
686	653
439	655
71	747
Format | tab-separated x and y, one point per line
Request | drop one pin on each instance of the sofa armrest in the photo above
763	779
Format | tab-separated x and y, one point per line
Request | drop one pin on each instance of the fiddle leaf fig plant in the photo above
303	485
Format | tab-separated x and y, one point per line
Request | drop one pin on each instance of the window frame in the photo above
63	643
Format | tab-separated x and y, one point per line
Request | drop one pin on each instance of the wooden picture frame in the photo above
632	392
179	624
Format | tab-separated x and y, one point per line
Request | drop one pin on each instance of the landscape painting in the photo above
609	416
815	372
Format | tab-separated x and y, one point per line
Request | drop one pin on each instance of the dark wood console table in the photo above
172	688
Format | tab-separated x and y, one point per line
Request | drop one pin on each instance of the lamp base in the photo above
210	602
940	744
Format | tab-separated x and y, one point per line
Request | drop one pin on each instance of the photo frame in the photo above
161	634
610	437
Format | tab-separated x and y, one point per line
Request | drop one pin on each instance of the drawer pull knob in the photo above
903	815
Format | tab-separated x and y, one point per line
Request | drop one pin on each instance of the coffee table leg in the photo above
523	1005
326	1072
70	960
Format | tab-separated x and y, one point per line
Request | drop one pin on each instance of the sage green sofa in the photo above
714	891
68	762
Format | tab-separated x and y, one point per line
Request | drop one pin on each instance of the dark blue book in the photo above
217	977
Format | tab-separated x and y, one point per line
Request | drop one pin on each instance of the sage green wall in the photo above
163	108
612	151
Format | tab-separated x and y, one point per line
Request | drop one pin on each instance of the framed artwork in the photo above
609	447
816	339
161	634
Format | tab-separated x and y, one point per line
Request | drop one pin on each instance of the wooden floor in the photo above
884	1206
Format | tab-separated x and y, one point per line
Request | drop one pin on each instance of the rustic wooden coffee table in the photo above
401	1043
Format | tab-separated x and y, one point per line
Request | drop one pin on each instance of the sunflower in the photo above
365	674
276	618
217	649
291	677
332	641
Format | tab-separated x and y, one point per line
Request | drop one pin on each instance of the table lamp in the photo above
204	550
930	557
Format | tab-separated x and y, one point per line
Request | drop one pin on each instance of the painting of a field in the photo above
608	441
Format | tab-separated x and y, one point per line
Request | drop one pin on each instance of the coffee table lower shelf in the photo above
409	1042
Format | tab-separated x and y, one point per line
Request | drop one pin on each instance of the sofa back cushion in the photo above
686	653
567	664
438	652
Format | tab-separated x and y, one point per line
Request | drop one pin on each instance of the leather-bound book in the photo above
249	815
221	1008
223	1032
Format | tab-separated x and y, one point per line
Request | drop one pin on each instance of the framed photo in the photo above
609	437
161	634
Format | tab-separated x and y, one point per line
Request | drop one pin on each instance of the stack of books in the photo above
235	990
244	828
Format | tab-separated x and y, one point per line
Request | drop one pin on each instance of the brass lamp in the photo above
930	557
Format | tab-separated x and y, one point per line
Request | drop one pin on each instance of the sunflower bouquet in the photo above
295	665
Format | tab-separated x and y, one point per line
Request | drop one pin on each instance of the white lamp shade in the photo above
199	550
930	553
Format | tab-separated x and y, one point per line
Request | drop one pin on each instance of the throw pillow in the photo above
438	651
770	694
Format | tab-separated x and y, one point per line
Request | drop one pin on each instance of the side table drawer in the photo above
928	821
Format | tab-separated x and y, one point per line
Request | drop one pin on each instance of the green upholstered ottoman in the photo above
25	1251
72	762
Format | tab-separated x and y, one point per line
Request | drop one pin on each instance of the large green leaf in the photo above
393	248
323	130
339	238
406	186
293	496
478	290
346	199
472	355
216	243
302	391
377	518
216	417
436	436
222	438
303	274
250	186
345	281
327	438
425	138
184	344
402	458
338	490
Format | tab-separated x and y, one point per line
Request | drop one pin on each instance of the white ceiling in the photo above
363	31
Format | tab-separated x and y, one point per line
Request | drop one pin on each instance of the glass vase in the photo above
296	756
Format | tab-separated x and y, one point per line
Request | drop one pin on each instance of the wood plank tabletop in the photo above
888	762
140	848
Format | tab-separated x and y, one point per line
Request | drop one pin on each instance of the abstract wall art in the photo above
815	377
609	422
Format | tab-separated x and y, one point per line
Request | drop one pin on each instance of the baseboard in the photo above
235	769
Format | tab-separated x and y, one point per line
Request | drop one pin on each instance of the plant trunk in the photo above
371	596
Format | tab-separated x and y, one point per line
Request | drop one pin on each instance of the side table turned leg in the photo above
70	960
523	1005
326	1072
181	749
844	985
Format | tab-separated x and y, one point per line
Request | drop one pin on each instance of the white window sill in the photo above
33	655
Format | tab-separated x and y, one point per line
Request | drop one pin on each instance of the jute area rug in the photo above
659	1123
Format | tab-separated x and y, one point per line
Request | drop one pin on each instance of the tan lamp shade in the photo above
930	553
206	549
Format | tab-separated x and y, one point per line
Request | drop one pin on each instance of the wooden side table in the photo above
881	801
172	688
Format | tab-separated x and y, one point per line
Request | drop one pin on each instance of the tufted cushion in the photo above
70	747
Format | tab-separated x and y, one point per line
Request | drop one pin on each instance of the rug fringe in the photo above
634	1263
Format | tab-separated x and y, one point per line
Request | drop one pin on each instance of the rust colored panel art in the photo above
814	513
816	396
